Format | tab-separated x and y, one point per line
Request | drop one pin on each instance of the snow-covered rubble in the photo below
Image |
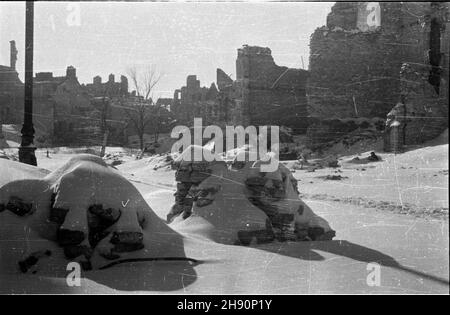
237	203
85	207
3	155
8	155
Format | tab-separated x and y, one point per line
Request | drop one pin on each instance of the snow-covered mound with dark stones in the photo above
87	208
237	203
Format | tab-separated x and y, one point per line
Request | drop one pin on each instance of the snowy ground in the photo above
394	213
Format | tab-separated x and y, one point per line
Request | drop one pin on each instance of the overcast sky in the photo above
178	38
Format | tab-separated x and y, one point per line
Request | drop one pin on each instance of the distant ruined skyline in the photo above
179	38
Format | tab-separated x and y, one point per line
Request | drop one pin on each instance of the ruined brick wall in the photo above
421	114
44	87
262	94
11	96
355	69
74	123
223	80
11	90
194	101
110	88
425	114
12	100
229	100
270	94
423	86
355	73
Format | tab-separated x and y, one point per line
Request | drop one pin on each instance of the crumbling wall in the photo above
420	115
110	88
74	123
262	94
270	94
354	73
422	110
324	132
426	116
223	80
193	100
355	66
229	99
11	93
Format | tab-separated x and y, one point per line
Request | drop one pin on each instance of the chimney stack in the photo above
71	72
13	55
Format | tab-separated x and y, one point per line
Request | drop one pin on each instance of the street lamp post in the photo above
27	148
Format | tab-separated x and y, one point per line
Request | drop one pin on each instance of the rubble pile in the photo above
8	156
87	208
113	159
245	203
267	191
3	155
160	161
325	133
188	176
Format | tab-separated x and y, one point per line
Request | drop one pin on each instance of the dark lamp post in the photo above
27	148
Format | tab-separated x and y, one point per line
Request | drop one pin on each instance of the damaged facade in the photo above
110	88
268	93
64	111
371	56
11	89
193	100
262	93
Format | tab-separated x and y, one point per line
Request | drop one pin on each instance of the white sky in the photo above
178	38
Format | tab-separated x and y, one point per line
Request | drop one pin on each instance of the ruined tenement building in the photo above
268	93
193	100
371	56
81	111
111	88
263	93
64	111
11	89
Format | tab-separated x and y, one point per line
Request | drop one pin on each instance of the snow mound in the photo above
3	154
237	203
86	208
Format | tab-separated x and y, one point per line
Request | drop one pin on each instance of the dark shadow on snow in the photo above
146	276
307	251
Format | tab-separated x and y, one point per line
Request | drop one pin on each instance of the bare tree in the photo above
141	109
104	124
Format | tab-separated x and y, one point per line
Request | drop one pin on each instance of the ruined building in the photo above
64	111
111	88
371	56
11	89
262	94
193	100
269	94
82	112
